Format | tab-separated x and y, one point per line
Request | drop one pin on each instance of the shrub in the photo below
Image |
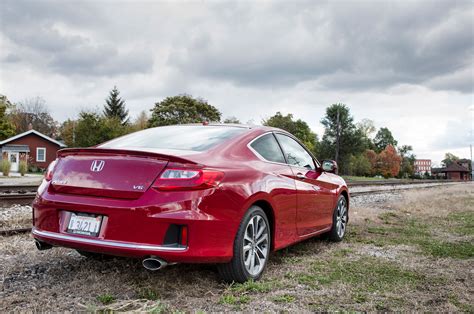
6	166
23	168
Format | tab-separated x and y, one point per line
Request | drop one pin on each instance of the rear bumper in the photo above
137	228
73	239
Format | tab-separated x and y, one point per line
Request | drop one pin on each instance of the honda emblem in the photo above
97	165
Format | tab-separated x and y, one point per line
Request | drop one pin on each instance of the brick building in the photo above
454	172
422	166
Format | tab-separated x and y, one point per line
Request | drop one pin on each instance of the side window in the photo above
267	147
295	153
40	154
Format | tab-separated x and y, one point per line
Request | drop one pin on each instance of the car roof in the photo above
234	125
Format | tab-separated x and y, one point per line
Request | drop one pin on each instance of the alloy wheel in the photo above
341	217
255	245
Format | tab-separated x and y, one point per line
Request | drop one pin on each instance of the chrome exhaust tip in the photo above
154	263
42	245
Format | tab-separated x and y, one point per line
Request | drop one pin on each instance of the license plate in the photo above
84	224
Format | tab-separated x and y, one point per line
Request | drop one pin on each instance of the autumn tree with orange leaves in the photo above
387	163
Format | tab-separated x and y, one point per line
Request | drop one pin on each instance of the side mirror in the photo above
330	166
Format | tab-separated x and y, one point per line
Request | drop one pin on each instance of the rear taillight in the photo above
48	175
188	179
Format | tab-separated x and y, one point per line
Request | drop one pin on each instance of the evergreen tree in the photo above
115	107
341	139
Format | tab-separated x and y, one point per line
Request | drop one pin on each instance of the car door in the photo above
313	196
279	183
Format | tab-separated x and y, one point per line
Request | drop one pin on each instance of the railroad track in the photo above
394	182
17	198
11	232
24	196
18	189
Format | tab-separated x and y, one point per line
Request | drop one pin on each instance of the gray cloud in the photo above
363	45
349	45
407	65
36	30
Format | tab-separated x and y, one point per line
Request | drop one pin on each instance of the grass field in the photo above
416	253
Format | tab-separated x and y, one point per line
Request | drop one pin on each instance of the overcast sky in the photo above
406	65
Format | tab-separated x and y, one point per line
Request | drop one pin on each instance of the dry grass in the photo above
415	254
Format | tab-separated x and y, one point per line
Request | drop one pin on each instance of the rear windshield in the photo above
182	137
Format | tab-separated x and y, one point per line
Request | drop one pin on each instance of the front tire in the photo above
251	248
339	220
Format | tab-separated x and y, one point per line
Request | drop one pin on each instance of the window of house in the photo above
40	154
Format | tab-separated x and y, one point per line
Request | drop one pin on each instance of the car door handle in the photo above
300	176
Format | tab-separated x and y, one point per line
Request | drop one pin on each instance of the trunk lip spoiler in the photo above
128	152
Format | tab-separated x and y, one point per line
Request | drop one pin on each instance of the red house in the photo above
454	172
33	146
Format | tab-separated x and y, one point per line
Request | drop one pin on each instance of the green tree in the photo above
92	129
341	138
298	128
67	132
7	129
407	167
449	159
182	109
359	165
115	107
88	129
383	138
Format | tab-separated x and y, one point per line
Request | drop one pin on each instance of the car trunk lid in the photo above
107	172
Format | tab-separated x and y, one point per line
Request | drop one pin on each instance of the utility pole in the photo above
472	165
337	136
74	133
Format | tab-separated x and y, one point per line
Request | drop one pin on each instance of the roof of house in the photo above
32	132
454	167
16	148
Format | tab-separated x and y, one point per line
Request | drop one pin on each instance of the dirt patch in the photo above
410	253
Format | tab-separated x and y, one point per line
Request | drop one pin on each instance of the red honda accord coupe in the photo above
223	194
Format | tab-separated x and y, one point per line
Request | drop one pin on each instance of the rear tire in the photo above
251	248
340	218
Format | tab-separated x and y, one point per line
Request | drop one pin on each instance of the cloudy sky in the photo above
407	65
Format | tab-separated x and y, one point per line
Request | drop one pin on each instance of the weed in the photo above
148	294
453	299
105	298
367	273
459	250
159	308
462	222
308	280
230	299
388	217
285	298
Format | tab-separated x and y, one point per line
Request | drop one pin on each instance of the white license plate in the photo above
84	224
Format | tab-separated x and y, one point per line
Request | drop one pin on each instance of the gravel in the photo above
7	213
15	216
